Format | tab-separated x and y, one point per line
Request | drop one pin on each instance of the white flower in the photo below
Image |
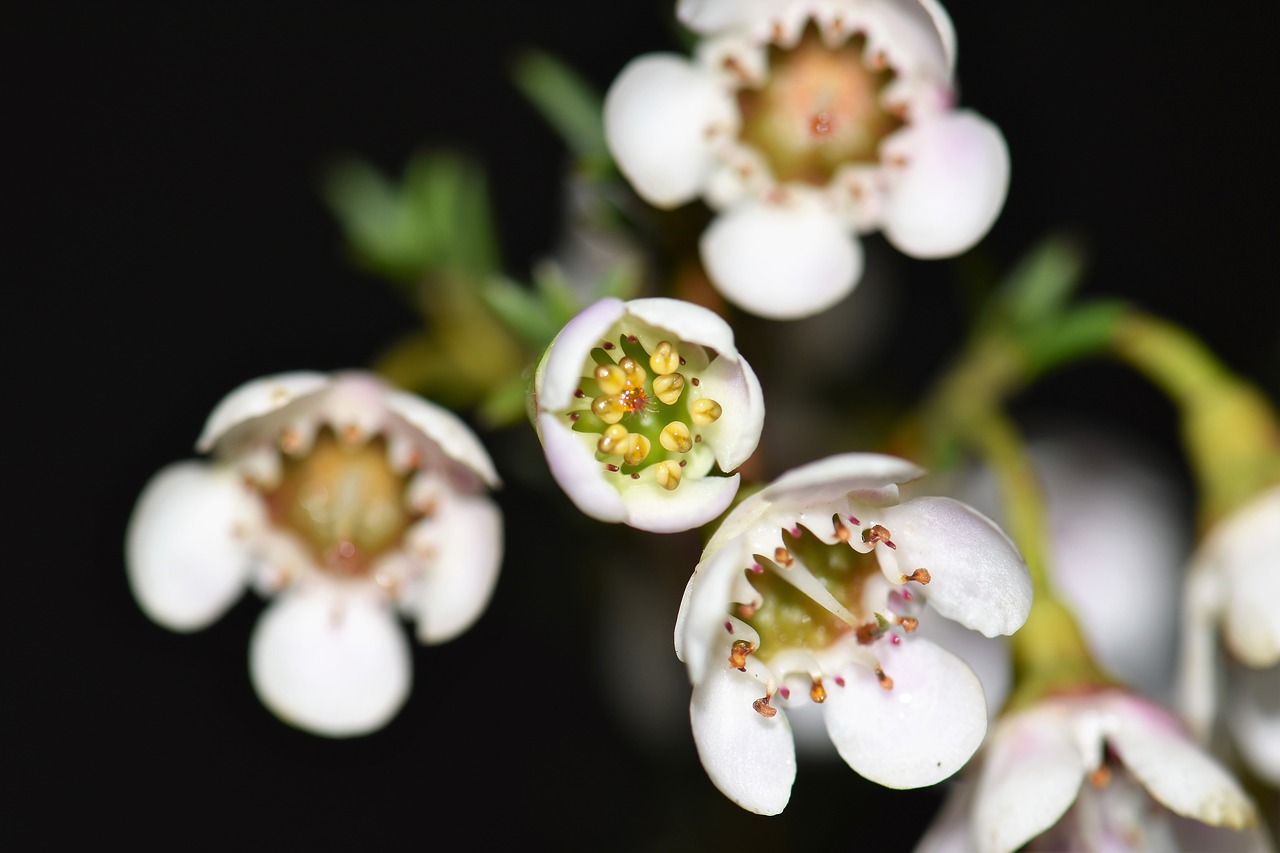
348	500
643	409
1232	599
810	590
1095	771
804	123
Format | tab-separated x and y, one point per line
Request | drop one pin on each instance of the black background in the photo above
169	242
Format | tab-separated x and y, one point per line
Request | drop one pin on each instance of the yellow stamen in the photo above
635	373
705	411
676	437
668	387
611	438
634	448
609	409
611	378
664	360
667	474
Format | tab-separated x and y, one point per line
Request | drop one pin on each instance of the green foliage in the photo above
569	104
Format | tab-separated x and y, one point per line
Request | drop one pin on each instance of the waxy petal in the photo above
1031	774
185	563
1246	551
560	370
783	261
978	577
697	501
447	430
1173	769
463	571
951	188
917	733
1254	718
736	434
657	114
574	466
686	321
257	398
331	661
749	757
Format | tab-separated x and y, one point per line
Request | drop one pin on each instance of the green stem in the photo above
1230	431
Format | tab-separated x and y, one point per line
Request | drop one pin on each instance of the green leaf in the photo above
568	103
1040	284
1084	330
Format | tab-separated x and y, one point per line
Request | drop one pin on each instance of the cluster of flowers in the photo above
803	123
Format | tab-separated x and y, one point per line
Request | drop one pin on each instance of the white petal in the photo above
1247	551
461	576
1031	774
782	261
688	322
1254	716
576	470
919	732
749	757
447	430
694	503
331	662
1173	769
185	564
990	658
829	479
979	578
657	114
736	434
711	16
918	38
952	828
560	370
256	398
952	187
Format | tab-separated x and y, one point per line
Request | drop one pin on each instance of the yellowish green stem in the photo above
1230	430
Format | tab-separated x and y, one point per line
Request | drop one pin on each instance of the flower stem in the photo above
1230	431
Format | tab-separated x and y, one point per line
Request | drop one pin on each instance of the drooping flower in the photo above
811	591
804	123
345	500
643	409
1101	770
1231	633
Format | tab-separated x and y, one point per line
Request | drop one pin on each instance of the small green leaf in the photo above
567	102
1040	284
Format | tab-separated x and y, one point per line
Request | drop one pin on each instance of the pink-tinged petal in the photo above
832	478
1031	774
945	29
917	38
700	630
978	577
574	466
918	732
782	261
1173	769
1254	718
1247	552
256	398
686	321
714	16
697	501
749	757
467	539
951	187
657	116
560	370
990	658
185	564
736	434
447	430
331	661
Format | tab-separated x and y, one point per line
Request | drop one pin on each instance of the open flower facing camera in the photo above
347	501
805	123
810	591
644	408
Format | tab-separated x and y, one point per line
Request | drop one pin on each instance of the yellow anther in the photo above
611	438
635	373
817	692
668	387
705	411
676	437
667	474
738	654
783	557
611	378
608	409
665	360
634	448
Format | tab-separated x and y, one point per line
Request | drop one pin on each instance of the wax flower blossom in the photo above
1099	770
811	590
804	123
643	408
1233	599
348	501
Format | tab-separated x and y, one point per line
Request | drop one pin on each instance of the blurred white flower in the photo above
643	408
1232	605
345	499
811	591
804	123
1094	771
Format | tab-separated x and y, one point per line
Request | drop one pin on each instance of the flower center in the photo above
819	110
343	501
646	423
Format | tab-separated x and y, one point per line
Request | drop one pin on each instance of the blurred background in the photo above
171	241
